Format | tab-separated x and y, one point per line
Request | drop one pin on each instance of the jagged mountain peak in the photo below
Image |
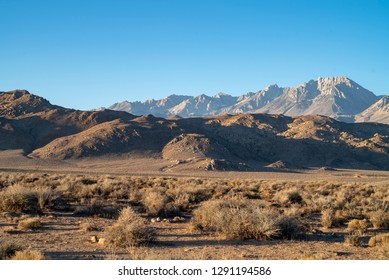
384	101
334	80
271	87
221	95
338	97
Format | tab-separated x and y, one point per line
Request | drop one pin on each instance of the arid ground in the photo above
137	209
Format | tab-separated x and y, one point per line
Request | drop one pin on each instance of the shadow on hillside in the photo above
252	144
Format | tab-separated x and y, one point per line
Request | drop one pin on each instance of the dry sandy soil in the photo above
61	235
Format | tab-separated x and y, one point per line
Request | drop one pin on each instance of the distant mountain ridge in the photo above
42	131
336	97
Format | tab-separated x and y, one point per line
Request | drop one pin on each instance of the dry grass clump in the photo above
47	198
379	240
287	197
8	249
129	230
340	216
290	227
357	226
97	208
327	218
21	199
353	240
30	224
233	219
28	254
380	219
18	199
237	219
171	202
155	202
88	226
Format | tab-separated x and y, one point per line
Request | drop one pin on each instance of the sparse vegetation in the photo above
353	240
379	240
327	218
88	226
8	249
357	226
243	219
155	202
129	230
233	210
30	224
19	199
28	254
380	219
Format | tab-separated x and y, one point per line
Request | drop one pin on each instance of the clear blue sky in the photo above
87	54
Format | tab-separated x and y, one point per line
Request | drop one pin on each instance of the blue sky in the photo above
88	54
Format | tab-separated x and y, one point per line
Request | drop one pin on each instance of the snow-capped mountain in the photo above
336	97
158	108
339	98
378	112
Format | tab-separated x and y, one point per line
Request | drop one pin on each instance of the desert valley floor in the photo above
317	213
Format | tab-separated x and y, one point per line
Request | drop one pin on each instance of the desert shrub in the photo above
186	196
380	219
17	199
20	199
327	218
155	202
30	224
287	197
295	211
28	254
87	226
357	226
181	202
97	208
353	240
379	240
46	197
340	216
235	219
354	211
129	230
344	196
295	197
8	249
290	227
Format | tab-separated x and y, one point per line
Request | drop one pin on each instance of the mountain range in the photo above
226	142
335	97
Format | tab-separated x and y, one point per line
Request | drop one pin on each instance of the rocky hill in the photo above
228	142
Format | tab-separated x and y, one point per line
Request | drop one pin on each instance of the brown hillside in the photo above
252	141
188	146
112	137
30	122
20	102
255	140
